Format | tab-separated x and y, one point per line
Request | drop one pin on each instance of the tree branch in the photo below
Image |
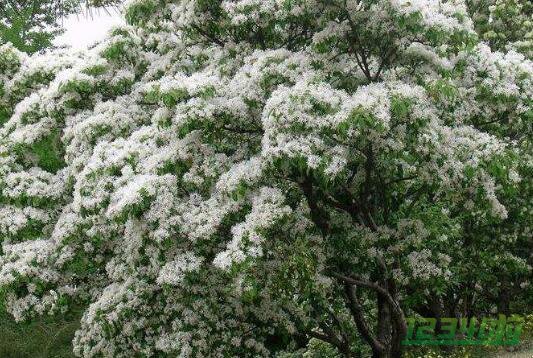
207	35
397	312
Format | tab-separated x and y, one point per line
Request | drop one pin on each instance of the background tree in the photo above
31	25
234	178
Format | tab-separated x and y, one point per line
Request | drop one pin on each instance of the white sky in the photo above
84	30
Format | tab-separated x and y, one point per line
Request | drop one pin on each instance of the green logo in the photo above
501	331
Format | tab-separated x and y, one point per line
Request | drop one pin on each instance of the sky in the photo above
83	30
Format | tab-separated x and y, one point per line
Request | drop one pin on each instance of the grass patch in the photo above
41	338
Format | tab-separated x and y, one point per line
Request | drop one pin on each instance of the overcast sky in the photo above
83	30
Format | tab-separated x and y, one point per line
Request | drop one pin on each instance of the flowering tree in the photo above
233	178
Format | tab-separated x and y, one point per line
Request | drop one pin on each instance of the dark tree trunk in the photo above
385	339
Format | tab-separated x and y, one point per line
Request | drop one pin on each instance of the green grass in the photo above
42	338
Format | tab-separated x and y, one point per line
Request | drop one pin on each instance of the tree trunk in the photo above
393	345
391	328
390	331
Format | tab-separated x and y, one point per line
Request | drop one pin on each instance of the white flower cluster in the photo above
448	16
267	210
173	272
422	266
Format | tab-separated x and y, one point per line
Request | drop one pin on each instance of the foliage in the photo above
252	178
